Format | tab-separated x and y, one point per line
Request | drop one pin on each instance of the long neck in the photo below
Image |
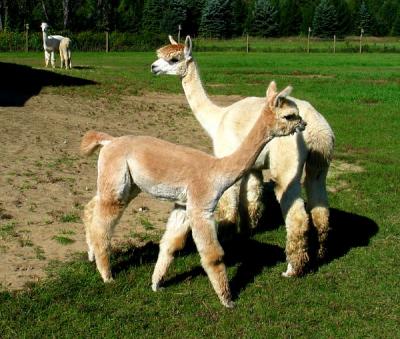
206	112
240	162
44	38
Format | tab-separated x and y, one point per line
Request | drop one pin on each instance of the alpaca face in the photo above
173	59
287	117
44	26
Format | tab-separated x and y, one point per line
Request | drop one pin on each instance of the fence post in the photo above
179	33
247	43
308	40
361	35
334	43
106	41
26	37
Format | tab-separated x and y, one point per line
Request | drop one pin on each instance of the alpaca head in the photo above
285	111
44	26
174	58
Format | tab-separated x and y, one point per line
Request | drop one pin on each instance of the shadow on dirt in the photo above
19	83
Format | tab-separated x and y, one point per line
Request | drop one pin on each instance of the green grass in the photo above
355	294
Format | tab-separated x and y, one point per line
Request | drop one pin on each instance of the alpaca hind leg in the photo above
297	227
251	205
53	60
211	254
173	240
46	58
318	205
106	214
87	219
227	212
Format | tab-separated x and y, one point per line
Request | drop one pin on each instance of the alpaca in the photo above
51	44
65	53
285	157
193	179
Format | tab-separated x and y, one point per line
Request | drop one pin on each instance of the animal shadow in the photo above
83	67
19	83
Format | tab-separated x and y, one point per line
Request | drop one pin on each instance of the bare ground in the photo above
44	183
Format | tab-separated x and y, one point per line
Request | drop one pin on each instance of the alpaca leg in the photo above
211	254
106	214
61	59
173	240
228	209
46	58
53	60
251	204
297	227
317	198
87	219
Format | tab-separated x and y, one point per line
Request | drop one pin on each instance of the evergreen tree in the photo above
129	15
152	16
386	16
193	17
365	21
265	19
343	16
239	16
396	25
215	19
174	15
290	17
324	22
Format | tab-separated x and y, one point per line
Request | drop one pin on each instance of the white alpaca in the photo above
65	53
285	157
51	44
191	178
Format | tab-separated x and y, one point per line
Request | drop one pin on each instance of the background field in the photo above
45	184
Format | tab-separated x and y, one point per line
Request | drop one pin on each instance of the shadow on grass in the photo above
83	67
19	83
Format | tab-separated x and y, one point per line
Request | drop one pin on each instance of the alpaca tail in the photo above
92	140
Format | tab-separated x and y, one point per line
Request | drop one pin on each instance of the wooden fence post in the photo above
334	43
26	37
308	40
361	35
107	42
247	43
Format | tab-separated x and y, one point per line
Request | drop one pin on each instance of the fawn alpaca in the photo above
191	178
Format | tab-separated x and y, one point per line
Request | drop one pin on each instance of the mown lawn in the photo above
354	294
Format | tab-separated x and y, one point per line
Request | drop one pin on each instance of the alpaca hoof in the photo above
91	256
228	303
108	280
290	272
156	287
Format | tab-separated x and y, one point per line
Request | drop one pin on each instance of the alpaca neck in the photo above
45	39
206	112
242	160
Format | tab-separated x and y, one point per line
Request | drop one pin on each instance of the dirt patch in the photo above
44	183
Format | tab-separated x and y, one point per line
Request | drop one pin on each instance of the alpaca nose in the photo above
153	68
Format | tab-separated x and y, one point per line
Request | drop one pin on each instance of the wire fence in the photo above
119	41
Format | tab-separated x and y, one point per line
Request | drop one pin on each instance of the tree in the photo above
129	15
265	19
324	22
386	16
152	16
365	20
174	15
215	19
290	17
343	16
396	25
65	4
239	16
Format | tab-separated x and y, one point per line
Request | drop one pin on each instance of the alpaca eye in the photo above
174	60
290	117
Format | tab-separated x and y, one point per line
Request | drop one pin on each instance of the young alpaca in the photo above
65	53
51	44
191	178
285	157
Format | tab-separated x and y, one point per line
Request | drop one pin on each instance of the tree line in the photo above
207	18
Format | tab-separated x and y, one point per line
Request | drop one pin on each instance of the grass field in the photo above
354	294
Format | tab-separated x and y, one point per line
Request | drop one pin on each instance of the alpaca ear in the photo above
188	48
282	94
172	40
271	92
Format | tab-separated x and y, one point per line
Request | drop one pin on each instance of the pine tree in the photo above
343	16
215	19
386	16
365	21
265	19
396	25
324	22
290	17
152	16
174	15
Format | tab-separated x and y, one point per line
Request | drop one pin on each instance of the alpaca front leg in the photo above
251	205
173	240
211	254
317	199
87	220
105	216
53	60
297	228
46	58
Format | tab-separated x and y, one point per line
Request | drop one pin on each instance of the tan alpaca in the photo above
65	53
285	157
191	178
